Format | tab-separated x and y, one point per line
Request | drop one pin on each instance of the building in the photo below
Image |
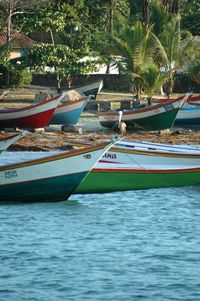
19	43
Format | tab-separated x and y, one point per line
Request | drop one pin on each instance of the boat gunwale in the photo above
152	152
147	109
53	157
32	106
72	102
145	170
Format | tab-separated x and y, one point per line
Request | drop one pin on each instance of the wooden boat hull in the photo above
110	180
189	115
129	166
51	178
69	113
91	89
157	117
7	141
29	117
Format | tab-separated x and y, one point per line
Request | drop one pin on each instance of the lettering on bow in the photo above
10	174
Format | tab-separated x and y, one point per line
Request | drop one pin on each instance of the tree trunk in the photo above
111	17
7	73
145	12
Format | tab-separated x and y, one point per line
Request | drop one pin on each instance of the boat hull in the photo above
161	121
189	115
69	113
152	118
108	180
50	178
39	120
29	117
50	189
7	141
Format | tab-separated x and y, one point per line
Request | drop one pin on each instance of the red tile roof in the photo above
18	40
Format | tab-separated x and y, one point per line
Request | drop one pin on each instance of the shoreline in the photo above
54	139
89	130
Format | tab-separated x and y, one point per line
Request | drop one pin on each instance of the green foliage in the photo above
137	47
20	77
191	16
64	59
193	71
152	79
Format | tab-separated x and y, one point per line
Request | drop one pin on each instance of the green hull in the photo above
44	190
158	122
109	181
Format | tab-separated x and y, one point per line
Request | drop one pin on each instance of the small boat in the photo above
191	99
130	165
91	89
189	114
5	142
194	100
29	117
68	111
152	118
51	178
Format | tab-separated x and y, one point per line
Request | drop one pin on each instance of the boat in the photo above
151	118
194	100
191	99
129	166
69	110
91	89
73	102
37	115
189	115
5	142
50	178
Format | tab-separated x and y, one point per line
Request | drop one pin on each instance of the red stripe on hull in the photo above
29	122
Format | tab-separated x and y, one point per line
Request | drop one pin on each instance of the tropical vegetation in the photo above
148	40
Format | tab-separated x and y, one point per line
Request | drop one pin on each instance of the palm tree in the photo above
115	10
176	50
137	47
152	80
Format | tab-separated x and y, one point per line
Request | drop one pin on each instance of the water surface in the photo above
136	245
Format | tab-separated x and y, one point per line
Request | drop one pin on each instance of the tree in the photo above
152	79
137	47
61	58
116	14
191	17
10	9
193	70
177	50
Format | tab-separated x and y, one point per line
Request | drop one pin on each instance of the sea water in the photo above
136	245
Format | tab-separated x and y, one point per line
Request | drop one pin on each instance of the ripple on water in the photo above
136	245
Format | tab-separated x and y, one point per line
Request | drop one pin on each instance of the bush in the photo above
20	77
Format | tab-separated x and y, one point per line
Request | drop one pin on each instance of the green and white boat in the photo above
129	166
151	118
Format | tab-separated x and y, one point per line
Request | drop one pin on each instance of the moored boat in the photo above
129	166
68	112
189	115
51	178
5	142
29	117
91	88
155	117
